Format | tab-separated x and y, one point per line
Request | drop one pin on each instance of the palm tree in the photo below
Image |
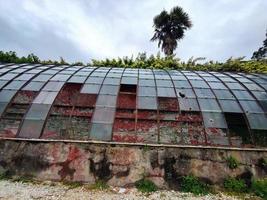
169	28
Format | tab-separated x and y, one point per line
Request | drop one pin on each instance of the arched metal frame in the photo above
233	82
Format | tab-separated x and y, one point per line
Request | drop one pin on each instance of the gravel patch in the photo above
49	190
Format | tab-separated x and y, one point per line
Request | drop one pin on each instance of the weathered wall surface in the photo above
123	165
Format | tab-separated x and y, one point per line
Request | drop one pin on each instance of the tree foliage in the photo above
152	62
262	51
169	28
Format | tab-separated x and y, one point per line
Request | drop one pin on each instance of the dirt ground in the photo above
49	190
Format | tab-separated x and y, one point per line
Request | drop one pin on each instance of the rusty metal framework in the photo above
132	105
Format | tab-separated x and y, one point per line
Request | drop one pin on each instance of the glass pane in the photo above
42	77
217	85
15	85
241	94
2	83
183	93
77	79
223	94
106	100
25	77
149	103
214	120
166	92
3	106
257	121
114	75
103	115
34	86
164	83
230	106
146	91
109	89
146	76
209	105
227	79
53	86
235	86
60	77
95	80
251	106
45	97
31	128
186	104
210	79
8	77
260	95
199	84
146	82
101	131
204	93
38	111
129	80
90	88
253	86
112	81
7	95
178	78
182	84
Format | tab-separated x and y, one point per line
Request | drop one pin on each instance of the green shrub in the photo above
235	185
259	188
232	162
192	184
146	186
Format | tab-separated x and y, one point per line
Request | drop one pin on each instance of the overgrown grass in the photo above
235	185
146	186
5	175
232	162
192	184
99	185
259	188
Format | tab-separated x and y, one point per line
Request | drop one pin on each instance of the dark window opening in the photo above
125	88
238	130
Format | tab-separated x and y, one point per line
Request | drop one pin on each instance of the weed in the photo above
5	175
23	179
146	186
146	148
235	185
259	188
232	162
99	185
192	184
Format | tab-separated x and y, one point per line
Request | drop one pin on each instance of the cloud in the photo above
81	29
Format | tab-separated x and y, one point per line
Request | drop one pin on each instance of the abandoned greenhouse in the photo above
84	103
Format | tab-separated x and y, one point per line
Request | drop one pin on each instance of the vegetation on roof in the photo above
154	62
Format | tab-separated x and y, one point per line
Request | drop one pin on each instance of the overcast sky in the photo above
79	30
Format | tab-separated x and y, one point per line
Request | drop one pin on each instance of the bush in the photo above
192	184
259	188
153	62
232	162
235	185
146	186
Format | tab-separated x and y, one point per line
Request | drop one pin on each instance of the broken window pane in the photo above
214	120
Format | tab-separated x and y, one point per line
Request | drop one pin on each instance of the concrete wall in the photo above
123	165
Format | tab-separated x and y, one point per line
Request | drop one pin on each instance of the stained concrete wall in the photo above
123	165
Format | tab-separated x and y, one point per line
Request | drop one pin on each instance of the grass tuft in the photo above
146	186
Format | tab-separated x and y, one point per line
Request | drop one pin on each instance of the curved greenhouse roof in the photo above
132	105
